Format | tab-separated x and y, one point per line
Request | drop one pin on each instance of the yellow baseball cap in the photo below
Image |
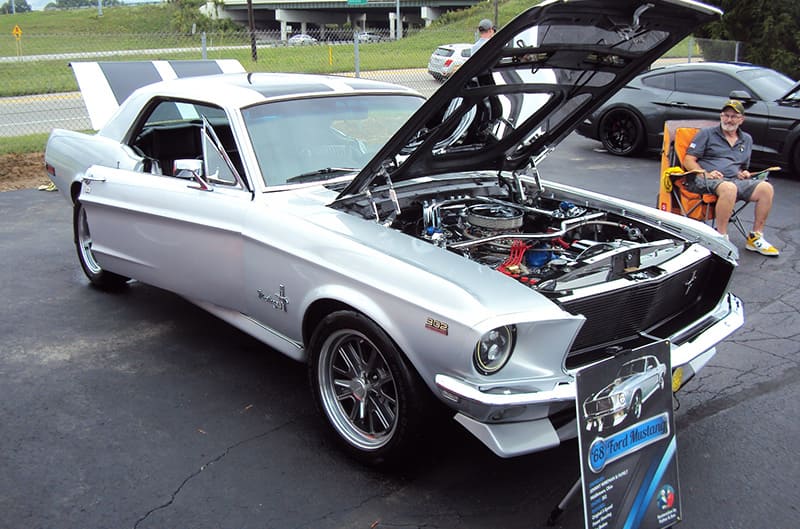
737	106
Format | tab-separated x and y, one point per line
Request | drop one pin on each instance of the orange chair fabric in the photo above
673	194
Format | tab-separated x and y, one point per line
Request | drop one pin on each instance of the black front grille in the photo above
597	406
661	305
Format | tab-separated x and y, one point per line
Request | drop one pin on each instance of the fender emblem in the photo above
278	301
436	325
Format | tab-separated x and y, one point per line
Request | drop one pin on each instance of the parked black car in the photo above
633	120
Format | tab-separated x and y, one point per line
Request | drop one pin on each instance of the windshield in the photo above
768	84
316	139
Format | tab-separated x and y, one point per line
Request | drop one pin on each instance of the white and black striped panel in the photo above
105	85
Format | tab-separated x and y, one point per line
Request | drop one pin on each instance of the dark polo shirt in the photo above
714	152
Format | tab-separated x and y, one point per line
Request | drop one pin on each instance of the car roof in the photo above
457	46
245	89
729	67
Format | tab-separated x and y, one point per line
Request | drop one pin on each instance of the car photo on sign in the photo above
409	252
635	382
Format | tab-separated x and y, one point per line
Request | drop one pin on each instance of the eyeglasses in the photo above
730	116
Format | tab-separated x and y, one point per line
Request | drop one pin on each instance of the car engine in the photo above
548	244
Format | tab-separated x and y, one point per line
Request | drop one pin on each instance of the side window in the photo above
172	130
707	83
664	81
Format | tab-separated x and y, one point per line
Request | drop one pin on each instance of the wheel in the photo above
365	389
796	159
621	132
636	406
83	244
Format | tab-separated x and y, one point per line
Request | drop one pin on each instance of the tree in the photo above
768	30
20	6
187	16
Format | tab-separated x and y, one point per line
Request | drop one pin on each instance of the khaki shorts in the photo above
744	188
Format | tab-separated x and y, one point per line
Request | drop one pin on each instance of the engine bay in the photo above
547	242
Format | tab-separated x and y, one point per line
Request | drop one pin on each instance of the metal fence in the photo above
38	91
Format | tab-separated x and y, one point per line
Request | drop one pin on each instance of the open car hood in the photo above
530	85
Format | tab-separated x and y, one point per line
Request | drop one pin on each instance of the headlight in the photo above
494	349
618	399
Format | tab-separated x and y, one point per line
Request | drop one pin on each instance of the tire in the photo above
98	277
363	386
636	406
621	132
796	160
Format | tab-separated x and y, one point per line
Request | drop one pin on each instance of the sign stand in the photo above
556	513
627	442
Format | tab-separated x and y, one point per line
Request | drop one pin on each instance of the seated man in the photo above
723	155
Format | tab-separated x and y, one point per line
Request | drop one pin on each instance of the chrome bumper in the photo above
515	423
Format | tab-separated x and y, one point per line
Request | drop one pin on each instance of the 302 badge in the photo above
437	325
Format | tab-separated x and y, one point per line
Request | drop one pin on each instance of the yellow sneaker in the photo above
757	243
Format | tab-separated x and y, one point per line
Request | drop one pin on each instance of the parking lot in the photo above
139	410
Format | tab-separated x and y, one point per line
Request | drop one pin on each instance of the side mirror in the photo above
191	169
741	95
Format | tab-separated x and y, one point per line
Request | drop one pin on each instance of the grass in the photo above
23	144
143	32
147	27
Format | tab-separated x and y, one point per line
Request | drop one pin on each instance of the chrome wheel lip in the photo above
637	406
358	390
85	243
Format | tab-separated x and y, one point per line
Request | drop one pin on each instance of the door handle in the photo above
92	178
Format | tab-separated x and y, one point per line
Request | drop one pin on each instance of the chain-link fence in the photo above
39	92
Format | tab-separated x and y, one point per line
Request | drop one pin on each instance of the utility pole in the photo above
251	22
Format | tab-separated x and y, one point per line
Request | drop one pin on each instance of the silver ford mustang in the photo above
408	250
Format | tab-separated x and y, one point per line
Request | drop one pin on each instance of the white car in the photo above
370	36
408	251
300	39
447	59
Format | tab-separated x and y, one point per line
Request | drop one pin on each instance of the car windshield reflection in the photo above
300	141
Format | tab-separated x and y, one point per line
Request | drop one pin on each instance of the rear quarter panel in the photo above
69	154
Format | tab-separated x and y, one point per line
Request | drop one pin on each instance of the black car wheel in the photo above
621	132
83	244
796	159
365	389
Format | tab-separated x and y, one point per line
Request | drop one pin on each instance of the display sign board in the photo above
629	468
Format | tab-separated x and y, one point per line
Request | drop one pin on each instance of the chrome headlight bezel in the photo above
493	349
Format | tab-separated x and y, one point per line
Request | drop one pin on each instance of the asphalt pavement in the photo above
139	410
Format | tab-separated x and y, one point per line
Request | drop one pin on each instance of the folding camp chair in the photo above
674	196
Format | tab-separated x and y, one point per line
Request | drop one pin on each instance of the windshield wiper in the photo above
311	176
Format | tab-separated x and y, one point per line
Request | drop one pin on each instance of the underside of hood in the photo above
530	85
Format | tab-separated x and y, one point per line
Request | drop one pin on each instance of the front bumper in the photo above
513	423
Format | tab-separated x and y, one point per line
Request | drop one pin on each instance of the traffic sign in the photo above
17	31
